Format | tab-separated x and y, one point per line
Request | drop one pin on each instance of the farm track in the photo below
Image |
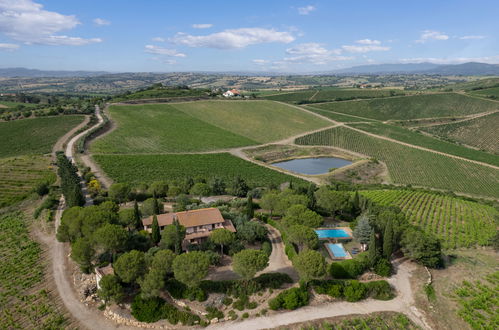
59	145
467	118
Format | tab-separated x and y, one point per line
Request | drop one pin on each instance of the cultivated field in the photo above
8	104
480	133
19	175
458	223
149	168
337	116
411	107
412	137
24	304
331	94
202	126
489	92
408	165
34	136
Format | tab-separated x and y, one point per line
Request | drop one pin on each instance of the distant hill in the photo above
34	73
465	69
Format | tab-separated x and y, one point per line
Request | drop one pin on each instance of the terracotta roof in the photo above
189	218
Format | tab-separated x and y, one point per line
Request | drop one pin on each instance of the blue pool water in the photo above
337	249
331	233
312	166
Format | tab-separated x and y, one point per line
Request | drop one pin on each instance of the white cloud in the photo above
152	49
365	49
456	60
471	37
234	38
8	47
158	39
306	10
428	35
368	42
260	61
314	53
101	22
202	26
27	21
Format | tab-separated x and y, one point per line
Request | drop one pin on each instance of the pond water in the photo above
312	166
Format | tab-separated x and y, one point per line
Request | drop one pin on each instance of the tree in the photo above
155	206
310	264
190	268
289	198
388	241
172	237
159	188
333	201
222	237
110	238
373	252
217	186
130	266
83	253
155	232
250	211
239	187
301	215
119	192
248	262
127	218
154	281
422	247
150	207
163	261
110	289
200	189
356	203
303	236
362	231
311	196
269	201
137	216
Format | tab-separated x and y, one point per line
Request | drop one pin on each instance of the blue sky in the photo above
290	36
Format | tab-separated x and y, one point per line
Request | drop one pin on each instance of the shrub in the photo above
290	299
147	310
252	305
272	280
383	268
213	312
348	269
227	301
380	290
354	291
245	315
267	248
232	315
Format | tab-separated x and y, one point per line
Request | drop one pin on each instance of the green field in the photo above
408	165
34	136
19	175
489	92
202	126
337	116
11	105
149	168
24	304
165	92
479	302
412	107
458	223
331	94
412	137
480	133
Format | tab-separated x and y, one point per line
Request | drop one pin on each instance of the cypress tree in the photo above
356	203
373	252
155	235
155	205
250	212
312	202
179	236
388	240
137	216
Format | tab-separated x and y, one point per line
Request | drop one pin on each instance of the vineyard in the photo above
338	116
34	136
479	133
23	303
489	92
149	168
412	107
19	175
479	302
408	165
412	137
331	94
379	321
457	223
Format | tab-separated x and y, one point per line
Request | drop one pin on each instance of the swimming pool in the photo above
332	233
337	250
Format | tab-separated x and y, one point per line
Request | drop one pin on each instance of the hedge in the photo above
353	290
290	299
154	309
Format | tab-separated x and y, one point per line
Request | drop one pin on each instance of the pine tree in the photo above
250	212
155	234
388	240
137	216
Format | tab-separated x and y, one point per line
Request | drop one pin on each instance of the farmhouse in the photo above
231	93
198	223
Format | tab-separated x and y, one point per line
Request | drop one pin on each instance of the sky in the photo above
281	36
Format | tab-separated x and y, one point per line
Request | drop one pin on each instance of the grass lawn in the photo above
261	121
149	168
34	136
10	104
407	165
412	107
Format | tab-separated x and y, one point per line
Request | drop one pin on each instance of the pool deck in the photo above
333	257
337	239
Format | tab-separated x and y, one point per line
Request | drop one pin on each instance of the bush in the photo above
213	313
348	269
383	268
241	303
42	188
232	315
354	291
290	299
267	248
380	290
272	280
227	301
245	315
155	309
